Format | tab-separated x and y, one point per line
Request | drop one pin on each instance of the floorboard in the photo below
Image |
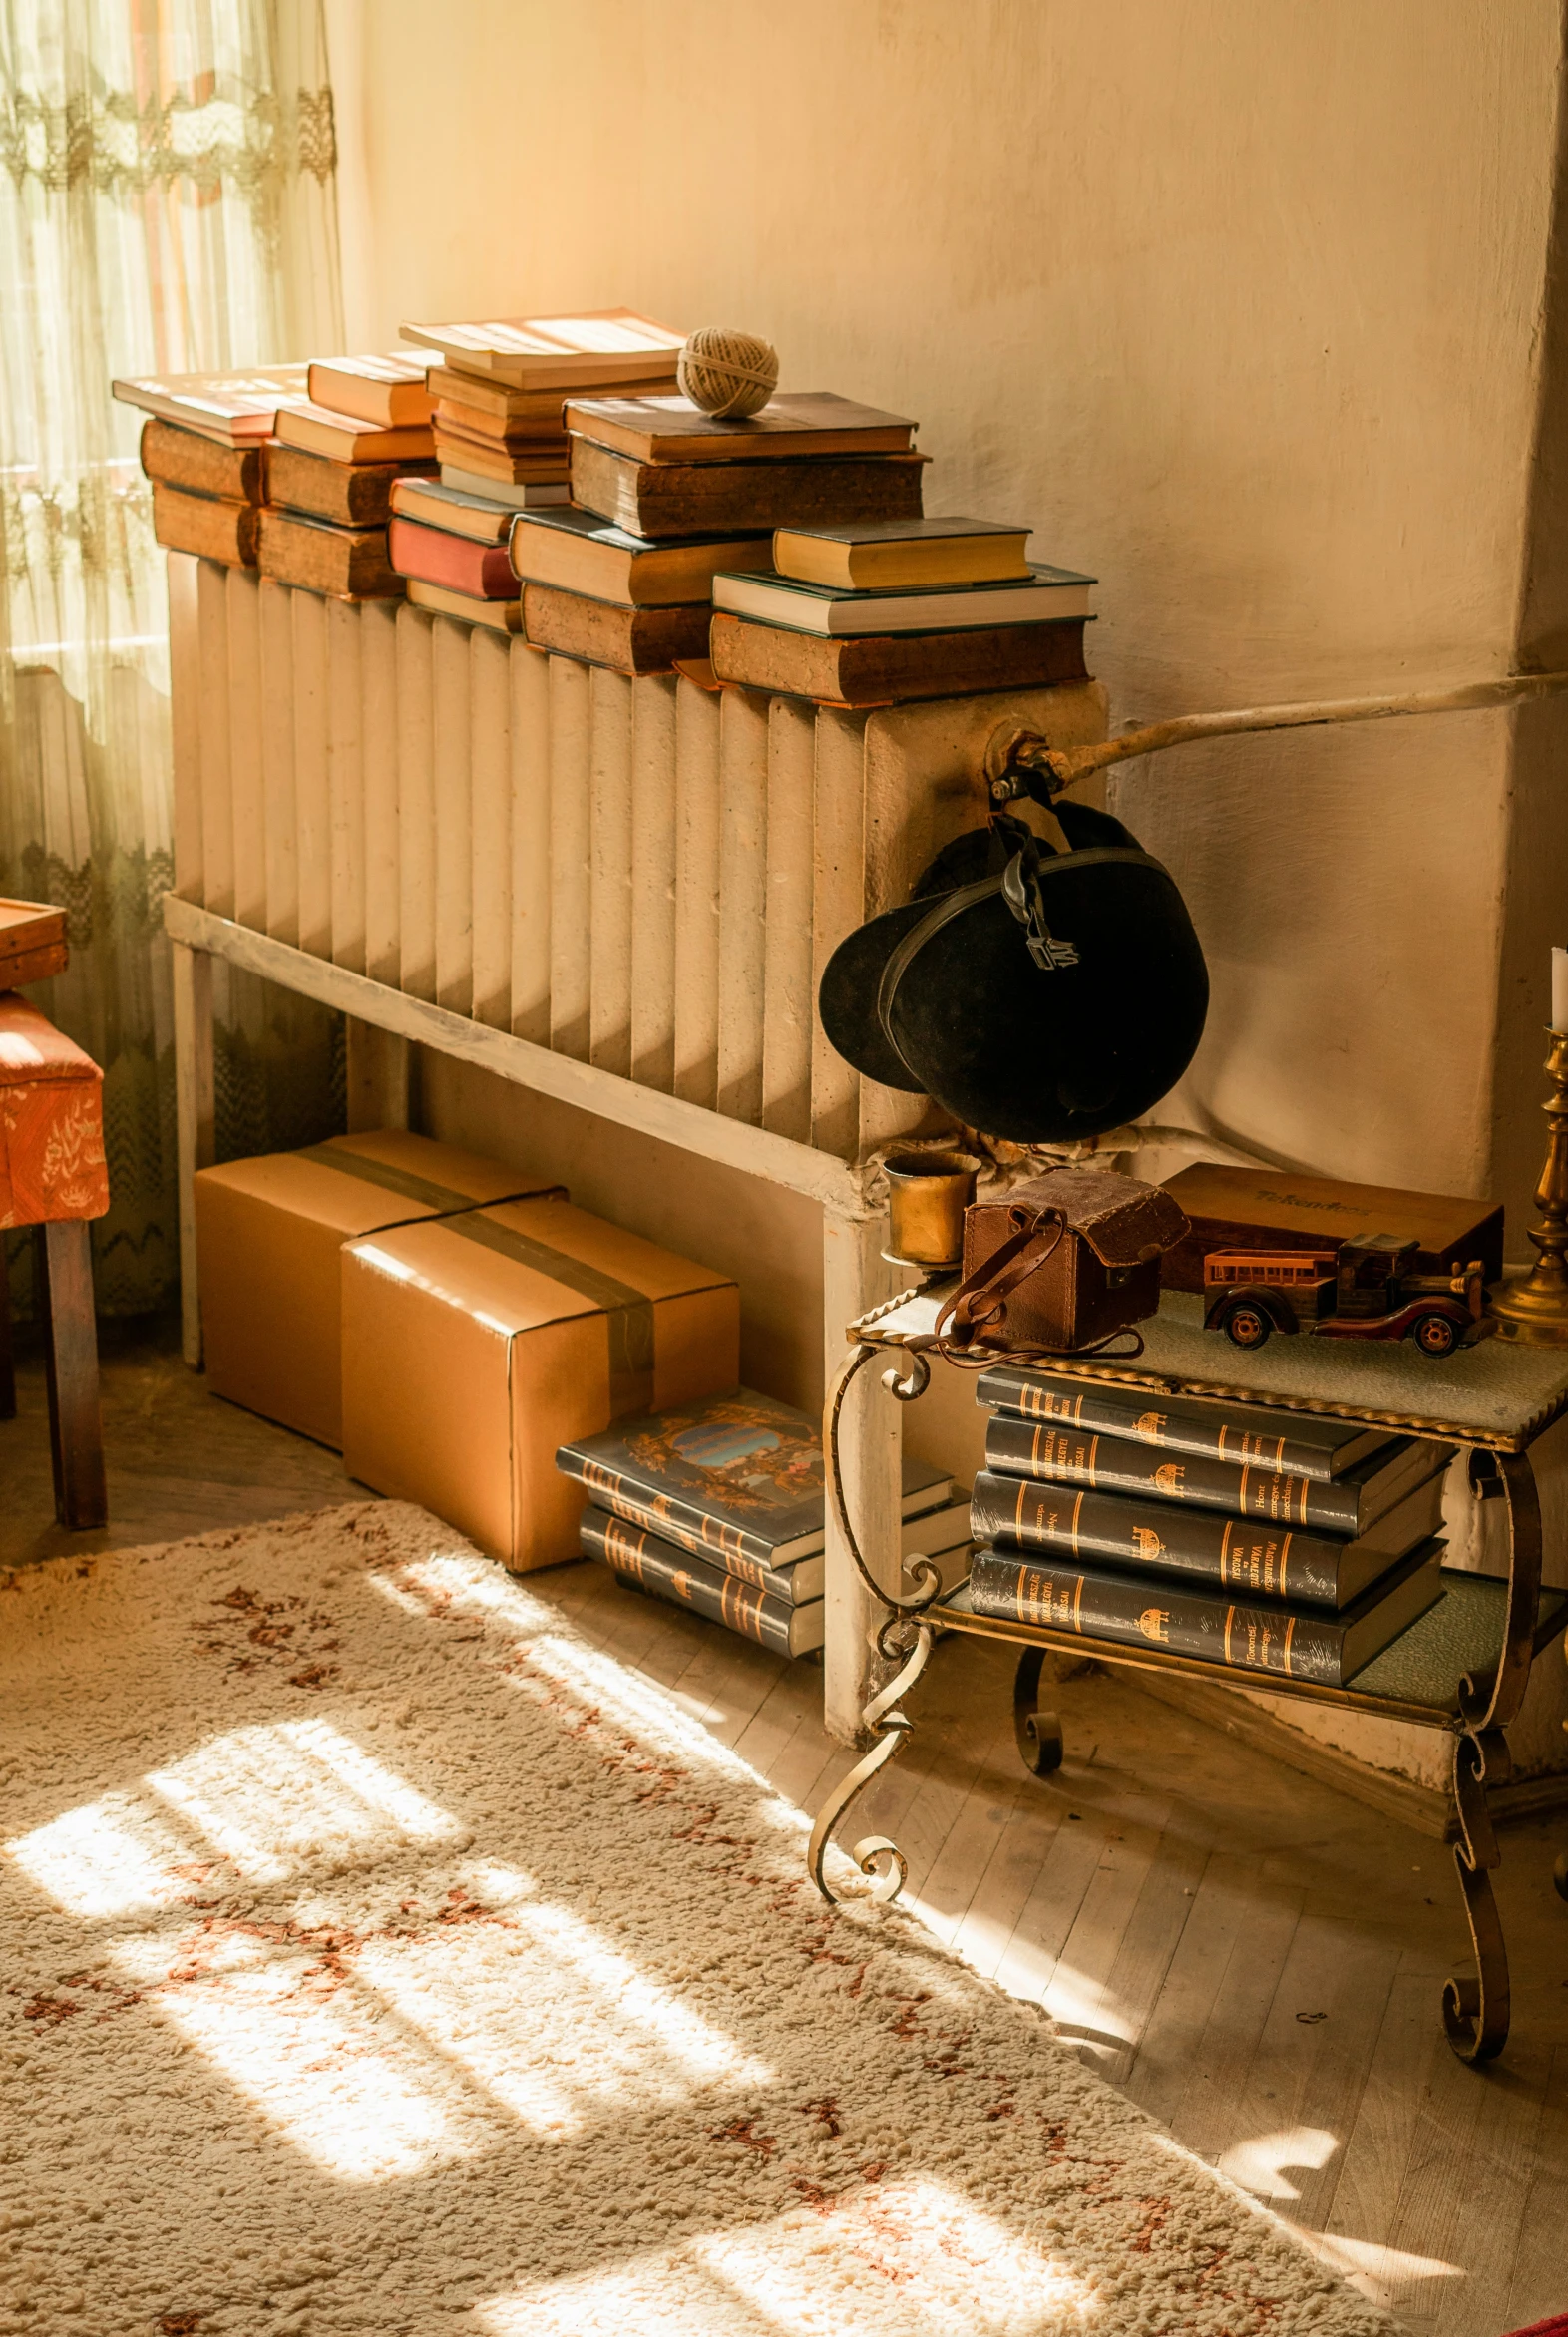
1185	1916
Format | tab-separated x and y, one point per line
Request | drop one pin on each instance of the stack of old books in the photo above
205	448
719	1506
665	495
496	394
1266	1542
885	610
364	427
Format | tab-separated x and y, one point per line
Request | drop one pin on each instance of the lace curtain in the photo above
167	205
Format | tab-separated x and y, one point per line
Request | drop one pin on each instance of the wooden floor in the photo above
1253	1957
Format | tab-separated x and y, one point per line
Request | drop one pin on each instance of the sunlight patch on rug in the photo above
387	1959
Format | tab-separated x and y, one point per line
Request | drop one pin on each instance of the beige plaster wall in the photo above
1242	305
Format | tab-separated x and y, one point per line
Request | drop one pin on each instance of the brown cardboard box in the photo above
269	1233
474	1346
1275	1209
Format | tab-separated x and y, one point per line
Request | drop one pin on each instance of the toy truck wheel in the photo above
1246	1325
1434	1335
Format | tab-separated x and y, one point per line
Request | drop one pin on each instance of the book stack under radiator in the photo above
364	427
1266	1542
665	495
720	1506
883	611
496	397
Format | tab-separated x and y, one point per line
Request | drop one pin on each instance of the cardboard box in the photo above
474	1346
1275	1209
269	1233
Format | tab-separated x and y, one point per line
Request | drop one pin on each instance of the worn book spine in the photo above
350	494
637	1556
1058	1454
183	458
885	668
442	557
742	1554
1139	1612
534	464
1235	1553
205	525
741	499
350	564
628	641
1114	1412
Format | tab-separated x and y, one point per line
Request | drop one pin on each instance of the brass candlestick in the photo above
1534	1308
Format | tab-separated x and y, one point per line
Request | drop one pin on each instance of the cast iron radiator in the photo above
645	875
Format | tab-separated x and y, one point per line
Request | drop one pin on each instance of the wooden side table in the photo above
1464	1667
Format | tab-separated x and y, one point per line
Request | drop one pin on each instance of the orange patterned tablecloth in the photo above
52	1163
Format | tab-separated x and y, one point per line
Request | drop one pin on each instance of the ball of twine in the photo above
727	373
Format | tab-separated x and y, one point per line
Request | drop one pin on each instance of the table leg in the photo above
1040	1743
76	1428
854	1279
194	1116
1475	2009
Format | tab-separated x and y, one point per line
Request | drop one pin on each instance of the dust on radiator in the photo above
643	875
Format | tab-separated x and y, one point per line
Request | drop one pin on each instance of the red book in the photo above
439	558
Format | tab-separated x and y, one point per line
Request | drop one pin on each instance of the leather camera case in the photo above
1102	1276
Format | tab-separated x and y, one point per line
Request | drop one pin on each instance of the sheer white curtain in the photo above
167	205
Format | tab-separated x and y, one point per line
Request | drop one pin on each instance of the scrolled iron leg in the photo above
1040	1737
1476	2011
892	1726
1560	1876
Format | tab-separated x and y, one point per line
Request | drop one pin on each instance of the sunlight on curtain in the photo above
167	205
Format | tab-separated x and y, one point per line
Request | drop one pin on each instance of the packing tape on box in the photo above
408	1187
628	1313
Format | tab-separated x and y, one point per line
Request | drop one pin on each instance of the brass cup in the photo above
928	1193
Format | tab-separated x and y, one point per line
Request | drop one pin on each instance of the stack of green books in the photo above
1262	1541
720	1506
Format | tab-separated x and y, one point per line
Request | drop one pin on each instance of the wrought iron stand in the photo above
1474	1704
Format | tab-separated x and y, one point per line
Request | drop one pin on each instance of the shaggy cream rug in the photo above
380	1956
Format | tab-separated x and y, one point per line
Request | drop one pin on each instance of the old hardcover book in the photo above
821	608
873	557
503	465
737	1475
202	465
740	499
350	494
1262	1559
596	347
435	503
525	495
887	669
349	563
205	525
941	1534
476	422
1296	1444
439	558
1053	1452
501	617
628	641
799	422
578	552
235	408
1135	1611
1275	1209
504	406
321	432
389	391
652	1564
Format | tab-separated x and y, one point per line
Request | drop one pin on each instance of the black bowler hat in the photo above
1040	996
